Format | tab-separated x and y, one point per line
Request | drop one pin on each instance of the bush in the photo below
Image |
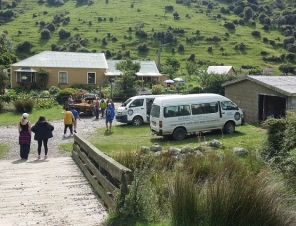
22	106
63	93
1	106
45	103
54	90
157	89
256	33
45	34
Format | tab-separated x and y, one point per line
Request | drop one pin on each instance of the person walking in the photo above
97	108
110	101
43	131
109	116
24	129
76	116
103	107
68	122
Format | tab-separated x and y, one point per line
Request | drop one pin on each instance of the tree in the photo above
248	13
3	81
287	68
191	68
126	83
173	62
7	58
5	43
42	78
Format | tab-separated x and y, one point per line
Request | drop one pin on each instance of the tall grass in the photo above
230	196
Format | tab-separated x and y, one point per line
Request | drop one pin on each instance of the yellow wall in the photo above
75	75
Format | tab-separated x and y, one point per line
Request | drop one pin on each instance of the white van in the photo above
188	114
136	110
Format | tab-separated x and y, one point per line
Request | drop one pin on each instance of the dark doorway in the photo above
273	106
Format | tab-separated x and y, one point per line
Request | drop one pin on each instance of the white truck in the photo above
136	110
181	115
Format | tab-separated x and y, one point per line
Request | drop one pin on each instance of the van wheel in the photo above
179	134
137	121
229	128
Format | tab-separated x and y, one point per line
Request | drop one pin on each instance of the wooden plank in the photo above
103	180
100	191
51	192
114	168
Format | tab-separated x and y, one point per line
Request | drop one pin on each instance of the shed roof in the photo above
218	69
148	68
65	60
283	84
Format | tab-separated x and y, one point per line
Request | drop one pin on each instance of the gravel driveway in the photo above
85	127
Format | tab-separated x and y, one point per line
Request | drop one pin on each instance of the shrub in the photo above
63	93
54	90
45	34
256	33
1	106
24	47
229	25
64	34
45	103
25	105
157	89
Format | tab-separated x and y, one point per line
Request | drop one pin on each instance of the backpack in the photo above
108	112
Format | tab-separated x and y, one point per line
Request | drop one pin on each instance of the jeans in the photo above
70	127
24	151
40	145
97	113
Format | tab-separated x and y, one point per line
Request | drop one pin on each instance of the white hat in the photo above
25	115
109	103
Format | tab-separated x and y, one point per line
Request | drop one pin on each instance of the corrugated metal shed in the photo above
148	69
220	70
282	84
65	60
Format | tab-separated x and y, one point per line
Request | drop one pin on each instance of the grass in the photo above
11	118
130	138
66	147
151	16
3	150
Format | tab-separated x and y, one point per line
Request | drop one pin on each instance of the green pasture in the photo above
11	118
150	16
129	138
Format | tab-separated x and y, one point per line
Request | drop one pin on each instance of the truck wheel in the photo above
179	134
229	128
137	121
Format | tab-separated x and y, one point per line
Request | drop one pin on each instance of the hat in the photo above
109	103
25	115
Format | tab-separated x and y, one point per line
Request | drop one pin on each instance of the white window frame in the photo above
59	82
95	82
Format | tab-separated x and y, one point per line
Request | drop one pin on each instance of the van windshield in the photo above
126	102
228	105
155	111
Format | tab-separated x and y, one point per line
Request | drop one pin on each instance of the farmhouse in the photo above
221	70
148	71
263	96
68	68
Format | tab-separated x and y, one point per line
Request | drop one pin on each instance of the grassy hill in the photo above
126	24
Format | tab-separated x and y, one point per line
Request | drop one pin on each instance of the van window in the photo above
137	103
155	111
228	105
205	108
175	111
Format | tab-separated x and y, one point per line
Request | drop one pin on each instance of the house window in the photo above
63	77
91	78
25	75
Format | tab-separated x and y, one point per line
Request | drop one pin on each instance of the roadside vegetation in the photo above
215	188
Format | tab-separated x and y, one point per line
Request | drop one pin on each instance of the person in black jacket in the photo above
43	131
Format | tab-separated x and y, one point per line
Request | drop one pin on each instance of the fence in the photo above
104	174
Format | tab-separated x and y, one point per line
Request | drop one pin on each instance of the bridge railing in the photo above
104	174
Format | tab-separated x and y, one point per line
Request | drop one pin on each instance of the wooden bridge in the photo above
56	192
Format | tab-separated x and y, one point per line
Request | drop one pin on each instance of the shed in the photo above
221	70
262	96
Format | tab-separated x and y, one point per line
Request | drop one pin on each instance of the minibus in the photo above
136	110
182	115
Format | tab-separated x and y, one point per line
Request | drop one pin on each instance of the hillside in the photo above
135	28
